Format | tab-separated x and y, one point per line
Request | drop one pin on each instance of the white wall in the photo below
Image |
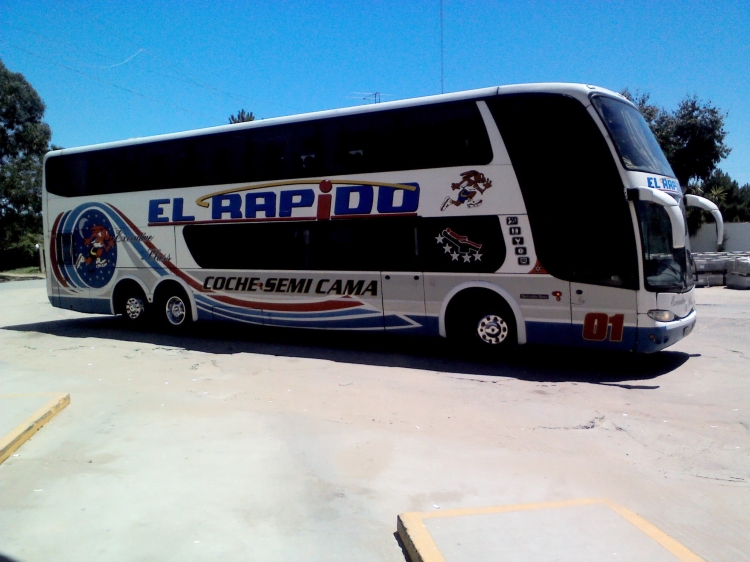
737	235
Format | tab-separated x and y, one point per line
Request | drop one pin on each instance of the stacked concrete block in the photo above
738	275
722	268
710	268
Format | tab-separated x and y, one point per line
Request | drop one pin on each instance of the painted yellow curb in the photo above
422	548
22	432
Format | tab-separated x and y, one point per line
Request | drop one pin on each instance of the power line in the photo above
183	75
65	44
104	81
127	60
59	43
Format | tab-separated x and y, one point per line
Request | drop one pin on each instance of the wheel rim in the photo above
492	329
134	308
176	311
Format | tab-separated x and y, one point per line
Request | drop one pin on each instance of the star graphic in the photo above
454	256
467	257
447	248
478	256
439	238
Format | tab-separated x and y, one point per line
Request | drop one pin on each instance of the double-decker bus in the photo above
541	213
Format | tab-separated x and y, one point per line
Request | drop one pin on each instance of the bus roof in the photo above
577	90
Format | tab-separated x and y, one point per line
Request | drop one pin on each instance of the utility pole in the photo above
442	58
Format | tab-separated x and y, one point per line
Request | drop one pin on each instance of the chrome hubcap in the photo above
134	308
175	311
492	329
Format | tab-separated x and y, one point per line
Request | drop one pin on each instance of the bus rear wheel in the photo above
131	303
174	307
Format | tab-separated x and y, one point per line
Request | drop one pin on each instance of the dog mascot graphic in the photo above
101	242
470	189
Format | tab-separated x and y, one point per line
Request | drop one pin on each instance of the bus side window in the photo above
305	150
434	136
356	142
269	154
431	136
156	167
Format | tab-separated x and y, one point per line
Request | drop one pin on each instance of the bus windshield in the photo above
666	269
632	136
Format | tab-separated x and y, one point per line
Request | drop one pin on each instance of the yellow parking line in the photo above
422	548
676	548
22	432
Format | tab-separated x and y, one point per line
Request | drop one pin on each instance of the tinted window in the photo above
666	269
632	136
398	244
343	245
579	216
430	136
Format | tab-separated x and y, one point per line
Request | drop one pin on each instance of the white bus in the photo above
541	213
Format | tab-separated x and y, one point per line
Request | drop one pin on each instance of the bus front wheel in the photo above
483	321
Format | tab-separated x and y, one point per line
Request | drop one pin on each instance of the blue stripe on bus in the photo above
92	306
548	332
347	318
563	333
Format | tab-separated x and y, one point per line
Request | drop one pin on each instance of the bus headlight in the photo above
661	315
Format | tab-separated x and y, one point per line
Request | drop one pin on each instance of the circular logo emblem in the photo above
95	248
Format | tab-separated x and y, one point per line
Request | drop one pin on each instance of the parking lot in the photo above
248	444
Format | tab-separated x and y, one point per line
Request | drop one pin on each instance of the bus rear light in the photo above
661	315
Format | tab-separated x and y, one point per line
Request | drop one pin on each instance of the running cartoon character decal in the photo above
100	242
95	248
470	189
458	246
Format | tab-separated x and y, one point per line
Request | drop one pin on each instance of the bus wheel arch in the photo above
130	299
174	303
472	292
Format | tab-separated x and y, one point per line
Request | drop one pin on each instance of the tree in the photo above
733	200
692	136
241	117
24	139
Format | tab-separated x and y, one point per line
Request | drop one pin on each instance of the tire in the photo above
173	305
485	324
131	304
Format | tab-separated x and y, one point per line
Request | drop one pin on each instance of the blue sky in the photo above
196	62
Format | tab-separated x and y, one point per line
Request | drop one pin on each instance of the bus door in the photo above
401	277
603	317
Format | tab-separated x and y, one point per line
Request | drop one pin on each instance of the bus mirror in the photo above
670	205
706	205
678	226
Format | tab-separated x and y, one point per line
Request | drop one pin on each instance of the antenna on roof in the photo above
375	97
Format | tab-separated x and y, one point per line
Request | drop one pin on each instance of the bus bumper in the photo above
654	336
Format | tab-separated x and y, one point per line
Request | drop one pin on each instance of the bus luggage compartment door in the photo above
603	317
403	302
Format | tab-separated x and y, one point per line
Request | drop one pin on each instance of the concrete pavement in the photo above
268	445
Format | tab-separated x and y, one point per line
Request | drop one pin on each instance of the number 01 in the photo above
596	325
